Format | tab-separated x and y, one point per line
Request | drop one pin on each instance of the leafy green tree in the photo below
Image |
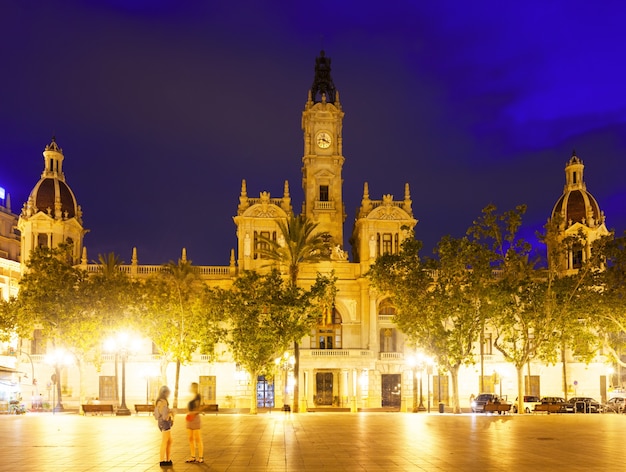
52	297
438	302
263	315
569	299
175	311
522	303
299	242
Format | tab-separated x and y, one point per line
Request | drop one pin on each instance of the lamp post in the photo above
285	362
122	345
57	359
412	361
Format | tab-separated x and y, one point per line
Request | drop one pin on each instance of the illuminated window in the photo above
487	348
387	244
261	242
328	333
38	343
577	257
388	338
42	240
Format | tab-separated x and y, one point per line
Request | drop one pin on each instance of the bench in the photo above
95	409
144	408
499	407
210	408
548	408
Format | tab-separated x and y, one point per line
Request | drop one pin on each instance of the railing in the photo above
324	205
273	201
335	353
377	203
155	269
385	318
385	356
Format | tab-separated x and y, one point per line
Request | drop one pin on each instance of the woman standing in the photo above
194	426
165	417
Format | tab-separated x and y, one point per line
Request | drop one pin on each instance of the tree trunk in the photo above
296	375
254	380
175	403
520	388
564	366
83	390
454	375
163	367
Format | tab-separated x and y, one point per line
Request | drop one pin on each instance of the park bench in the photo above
211	408
144	408
497	407
548	408
98	409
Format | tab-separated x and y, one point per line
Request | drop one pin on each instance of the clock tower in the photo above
323	160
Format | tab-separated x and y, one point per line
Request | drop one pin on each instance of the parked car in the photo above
585	405
529	403
563	406
615	405
478	404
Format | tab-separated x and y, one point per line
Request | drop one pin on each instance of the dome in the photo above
45	194
577	205
51	194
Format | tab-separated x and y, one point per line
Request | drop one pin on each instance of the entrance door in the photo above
264	393
324	388
391	390
207	389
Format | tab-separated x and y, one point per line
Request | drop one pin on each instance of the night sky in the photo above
163	106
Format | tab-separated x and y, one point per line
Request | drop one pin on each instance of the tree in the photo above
438	302
176	312
263	315
299	243
522	304
53	298
569	299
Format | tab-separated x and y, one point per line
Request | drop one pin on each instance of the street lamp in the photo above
285	362
57	359
412	362
122	345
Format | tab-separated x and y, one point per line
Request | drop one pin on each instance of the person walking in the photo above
194	426
165	418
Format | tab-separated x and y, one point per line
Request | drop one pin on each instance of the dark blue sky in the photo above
162	107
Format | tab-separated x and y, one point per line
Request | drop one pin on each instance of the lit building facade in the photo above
358	360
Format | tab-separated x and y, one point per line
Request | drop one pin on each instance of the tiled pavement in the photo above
320	442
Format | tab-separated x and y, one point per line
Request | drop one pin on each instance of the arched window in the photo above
327	335
386	308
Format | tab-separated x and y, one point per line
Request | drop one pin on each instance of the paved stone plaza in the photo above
320	442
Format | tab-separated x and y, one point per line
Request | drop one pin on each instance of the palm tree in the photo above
299	243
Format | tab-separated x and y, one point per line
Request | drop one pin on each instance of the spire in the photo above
183	257
133	259
83	259
323	82
232	258
7	202
407	205
366	191
243	197
286	201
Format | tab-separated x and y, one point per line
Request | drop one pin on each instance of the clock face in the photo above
323	139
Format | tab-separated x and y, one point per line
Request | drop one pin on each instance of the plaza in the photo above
280	441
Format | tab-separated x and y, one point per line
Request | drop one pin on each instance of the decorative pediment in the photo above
324	174
388	212
264	209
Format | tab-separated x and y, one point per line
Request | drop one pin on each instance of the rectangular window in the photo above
387	243
324	197
108	388
38	343
487	344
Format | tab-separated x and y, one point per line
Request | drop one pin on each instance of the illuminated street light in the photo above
58	359
286	362
122	345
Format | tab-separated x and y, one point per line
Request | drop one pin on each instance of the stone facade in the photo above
360	360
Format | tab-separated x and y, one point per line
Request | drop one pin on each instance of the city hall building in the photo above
358	361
